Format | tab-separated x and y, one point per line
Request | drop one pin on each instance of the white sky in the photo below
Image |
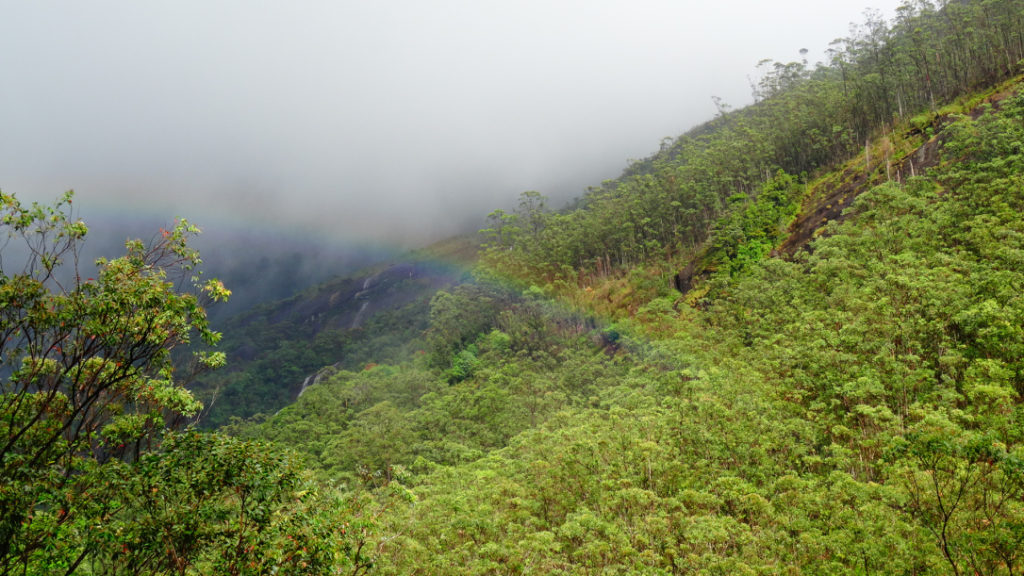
391	120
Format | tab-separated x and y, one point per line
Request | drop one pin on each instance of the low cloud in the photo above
397	122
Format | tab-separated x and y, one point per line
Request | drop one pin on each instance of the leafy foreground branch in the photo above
92	478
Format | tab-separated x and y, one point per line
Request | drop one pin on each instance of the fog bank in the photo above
398	122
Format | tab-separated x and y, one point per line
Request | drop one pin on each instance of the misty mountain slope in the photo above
374	316
811	416
805	120
852	407
840	389
722	195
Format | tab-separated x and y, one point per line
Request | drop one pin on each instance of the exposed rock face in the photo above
827	203
824	206
684	280
347	303
314	379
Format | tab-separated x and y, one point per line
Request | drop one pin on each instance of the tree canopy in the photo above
94	477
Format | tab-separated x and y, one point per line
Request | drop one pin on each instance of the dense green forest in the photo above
791	341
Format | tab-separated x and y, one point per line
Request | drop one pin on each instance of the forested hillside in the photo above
278	349
854	408
789	342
